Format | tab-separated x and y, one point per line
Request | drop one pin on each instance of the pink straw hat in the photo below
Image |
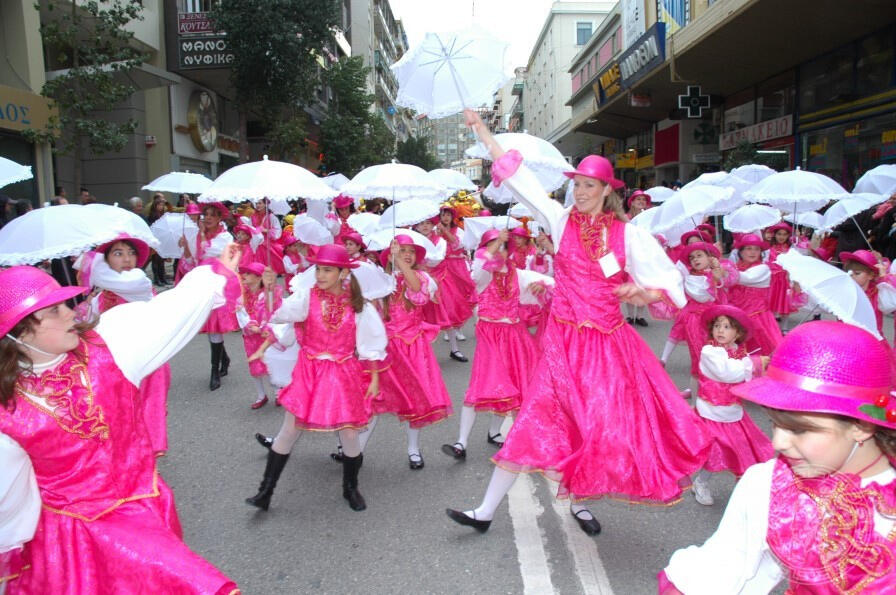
822	253
694	233
27	289
828	367
244	228
342	201
520	231
193	209
354	236
488	236
780	225
287	239
635	195
751	239
710	249
708	228
333	255
140	246
223	211
404	240
864	257
255	268
597	167
734	312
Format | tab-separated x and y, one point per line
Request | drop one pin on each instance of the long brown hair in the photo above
885	438
357	298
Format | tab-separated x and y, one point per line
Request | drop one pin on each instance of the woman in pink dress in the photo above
599	406
261	297
751	293
68	398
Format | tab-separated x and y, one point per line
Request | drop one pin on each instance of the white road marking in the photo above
524	511
589	567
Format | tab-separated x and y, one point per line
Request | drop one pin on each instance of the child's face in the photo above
750	253
862	276
327	278
639	204
768	235
781	236
699	260
424	227
723	332
242	237
408	255
519	241
294	248
694	239
344	212
251	279
813	453
446	217
352	247
121	256
55	331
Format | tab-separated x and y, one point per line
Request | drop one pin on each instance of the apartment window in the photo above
583	33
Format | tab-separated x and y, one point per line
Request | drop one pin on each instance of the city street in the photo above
310	541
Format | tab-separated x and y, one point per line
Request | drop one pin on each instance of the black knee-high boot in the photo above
214	382
273	469
225	361
350	468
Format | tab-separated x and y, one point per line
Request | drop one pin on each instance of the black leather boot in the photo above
225	361
272	471
350	468
214	382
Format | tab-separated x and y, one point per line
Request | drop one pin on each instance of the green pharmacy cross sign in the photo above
694	102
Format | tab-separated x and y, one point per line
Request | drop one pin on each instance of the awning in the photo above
142	77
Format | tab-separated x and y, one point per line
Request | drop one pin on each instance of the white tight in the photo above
498	486
413	437
289	435
259	385
468	418
215	338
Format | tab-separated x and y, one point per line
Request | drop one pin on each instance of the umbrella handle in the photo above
859	227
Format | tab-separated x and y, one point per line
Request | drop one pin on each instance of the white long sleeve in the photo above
697	288
439	255
19	497
370	334
886	297
525	279
295	307
755	276
218	244
649	266
144	335
481	277
549	214
716	364
132	285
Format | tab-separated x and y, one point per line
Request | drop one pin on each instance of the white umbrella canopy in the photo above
381	239
12	172
452	180
878	180
179	182
267	179
396	182
832	289
310	231
751	218
474	227
659	194
498	194
540	156
807	219
448	72
520	210
849	207
723	179
795	191
363	223
408	212
169	229
645	219
753	172
67	230
689	206
335	181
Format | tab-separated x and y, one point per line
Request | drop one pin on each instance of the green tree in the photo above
743	154
415	151
275	45
88	40
351	136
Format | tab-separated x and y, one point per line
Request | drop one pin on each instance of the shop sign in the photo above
21	110
706	158
610	83
648	52
189	23
204	52
639	100
757	133
888	144
633	20
645	162
626	160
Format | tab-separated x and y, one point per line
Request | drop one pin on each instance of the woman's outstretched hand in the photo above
637	296
230	257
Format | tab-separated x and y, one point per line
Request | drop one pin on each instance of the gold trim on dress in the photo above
153	494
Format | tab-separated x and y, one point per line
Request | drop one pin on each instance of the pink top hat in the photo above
404	240
734	312
26	290
485	213
864	257
139	245
694	233
821	253
333	255
353	236
520	231
193	209
708	228
635	195
222	210
255	268
342	201
710	249
828	367
488	236
287	239
780	225
597	167
751	239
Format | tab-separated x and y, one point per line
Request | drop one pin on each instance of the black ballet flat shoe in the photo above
458	356
589	526
415	461
640	322
494	439
338	456
455	451
462	519
630	320
264	440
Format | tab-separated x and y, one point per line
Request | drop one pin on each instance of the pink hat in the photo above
485	213
26	290
635	195
287	239
488	236
780	225
694	233
255	268
822	253
342	201
403	240
140	246
864	257
448	208
708	228
597	167
193	209
685	255
353	236
333	255
223	211
520	231
828	367
245	228
734	312
751	239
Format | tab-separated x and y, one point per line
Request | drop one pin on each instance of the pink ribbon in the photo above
822	387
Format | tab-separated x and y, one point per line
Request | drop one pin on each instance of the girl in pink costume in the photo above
521	253
821	514
337	221
354	245
295	257
267	224
506	351
68	398
750	293
598	404
336	373
211	241
779	289
187	262
637	203
737	443
871	275
412	386
261	297
249	239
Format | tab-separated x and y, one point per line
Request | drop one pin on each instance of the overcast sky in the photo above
518	22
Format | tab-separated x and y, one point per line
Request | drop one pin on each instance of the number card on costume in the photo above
609	265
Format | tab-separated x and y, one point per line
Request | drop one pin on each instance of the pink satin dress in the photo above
754	301
780	294
457	292
222	319
256	306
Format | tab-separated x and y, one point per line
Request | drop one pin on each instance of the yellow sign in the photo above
819	149
610	81
626	160
645	162
887	137
20	110
852	131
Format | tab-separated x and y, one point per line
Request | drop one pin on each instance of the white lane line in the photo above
589	567
524	511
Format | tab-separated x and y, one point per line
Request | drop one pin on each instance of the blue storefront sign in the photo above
648	52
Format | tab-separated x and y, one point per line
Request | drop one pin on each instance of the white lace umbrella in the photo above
452	180
689	206
878	180
374	282
751	218
447	72
12	172
67	230
796	191
660	194
363	223
808	219
474	227
381	239
849	207
540	156
753	173
408	212
645	219
335	181
498	194
310	231
396	182
275	180
179	182
520	210
169	229
723	179
832	289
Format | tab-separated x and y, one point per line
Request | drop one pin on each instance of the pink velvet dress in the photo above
751	294
701	295
600	414
108	524
530	314
259	314
780	294
506	352
411	386
456	292
221	320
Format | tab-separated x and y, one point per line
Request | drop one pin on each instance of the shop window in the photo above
827	80
739	110
874	63
774	97
847	151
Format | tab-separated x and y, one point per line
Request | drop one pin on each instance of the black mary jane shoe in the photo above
338	456
264	440
497	439
630	320
455	451
415	461
458	356
589	526
640	322
462	519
